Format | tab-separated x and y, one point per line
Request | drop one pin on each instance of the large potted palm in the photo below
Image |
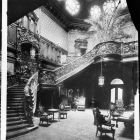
107	22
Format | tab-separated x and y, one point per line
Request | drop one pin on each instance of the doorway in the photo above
116	91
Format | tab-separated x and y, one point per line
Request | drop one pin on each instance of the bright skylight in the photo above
109	7
95	12
122	4
72	6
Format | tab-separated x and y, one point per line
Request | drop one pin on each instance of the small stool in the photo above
63	113
45	118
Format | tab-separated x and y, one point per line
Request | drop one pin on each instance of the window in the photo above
95	12
72	6
113	95
109	7
116	82
116	91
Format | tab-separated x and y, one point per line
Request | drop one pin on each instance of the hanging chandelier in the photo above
101	78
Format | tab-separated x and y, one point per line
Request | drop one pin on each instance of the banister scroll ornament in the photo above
30	91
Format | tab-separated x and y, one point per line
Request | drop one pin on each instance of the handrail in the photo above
104	48
30	91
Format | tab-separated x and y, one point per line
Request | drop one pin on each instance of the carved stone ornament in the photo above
47	77
102	49
130	49
26	36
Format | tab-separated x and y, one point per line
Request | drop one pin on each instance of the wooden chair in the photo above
45	117
102	125
62	111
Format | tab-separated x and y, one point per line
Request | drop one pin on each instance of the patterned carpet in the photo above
78	126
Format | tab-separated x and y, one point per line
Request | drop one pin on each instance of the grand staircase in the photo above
17	122
105	49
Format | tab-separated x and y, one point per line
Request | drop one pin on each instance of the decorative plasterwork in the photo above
108	48
26	36
47	77
102	49
80	43
33	16
130	49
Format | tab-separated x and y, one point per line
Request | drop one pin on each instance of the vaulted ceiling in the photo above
17	9
58	9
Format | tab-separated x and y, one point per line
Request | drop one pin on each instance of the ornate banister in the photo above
130	49
30	90
105	48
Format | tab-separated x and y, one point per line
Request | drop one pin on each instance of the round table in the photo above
53	110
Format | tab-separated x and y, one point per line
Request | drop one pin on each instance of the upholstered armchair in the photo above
103	126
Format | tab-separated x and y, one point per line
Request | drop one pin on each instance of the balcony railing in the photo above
31	90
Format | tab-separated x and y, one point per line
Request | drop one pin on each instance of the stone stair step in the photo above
15	98
15	104
19	132
16	122
15	93
16	127
19	86
16	118
15	111
14	107
16	89
14	114
14	101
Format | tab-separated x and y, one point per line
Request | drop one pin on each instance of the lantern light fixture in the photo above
101	78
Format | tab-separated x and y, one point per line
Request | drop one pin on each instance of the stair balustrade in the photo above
31	90
102	49
130	49
47	77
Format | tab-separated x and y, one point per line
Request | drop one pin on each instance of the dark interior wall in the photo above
49	98
88	79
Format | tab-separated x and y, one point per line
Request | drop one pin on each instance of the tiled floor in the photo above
78	126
